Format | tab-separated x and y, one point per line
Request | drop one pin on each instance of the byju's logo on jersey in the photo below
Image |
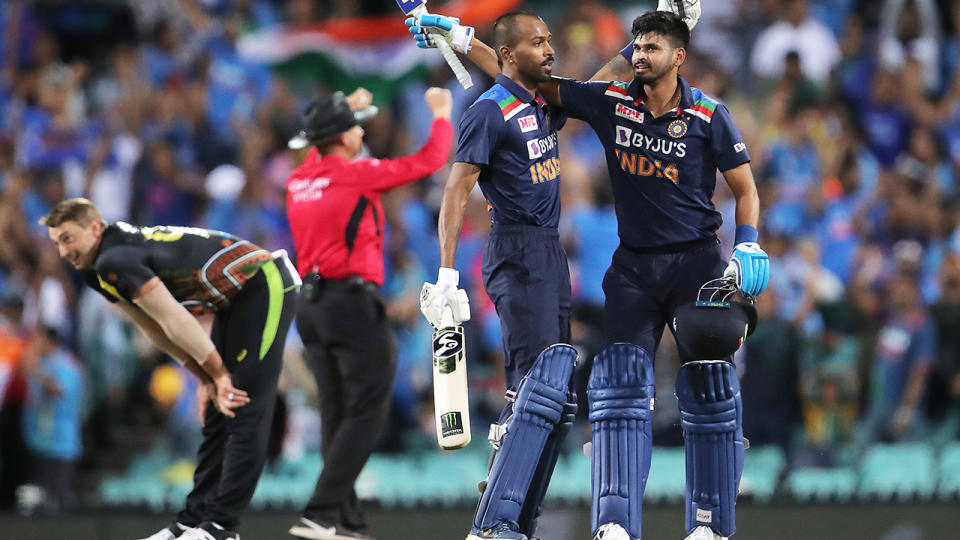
630	114
739	147
528	123
536	148
623	136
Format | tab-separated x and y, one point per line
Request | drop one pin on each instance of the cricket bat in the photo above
451	406
413	8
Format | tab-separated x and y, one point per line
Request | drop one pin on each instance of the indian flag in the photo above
377	53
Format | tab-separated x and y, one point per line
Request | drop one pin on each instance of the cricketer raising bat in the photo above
415	8
450	402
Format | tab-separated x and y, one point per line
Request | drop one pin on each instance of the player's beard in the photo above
653	74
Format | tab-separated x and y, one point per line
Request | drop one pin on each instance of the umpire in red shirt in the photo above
333	205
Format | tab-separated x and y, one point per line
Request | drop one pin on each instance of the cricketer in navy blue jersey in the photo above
512	135
508	145
664	143
663	168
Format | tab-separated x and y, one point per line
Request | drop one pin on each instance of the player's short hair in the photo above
78	210
665	23
506	30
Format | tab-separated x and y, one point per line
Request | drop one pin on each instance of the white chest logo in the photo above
628	113
528	123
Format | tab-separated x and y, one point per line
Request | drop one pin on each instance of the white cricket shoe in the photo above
612	531
704	533
170	532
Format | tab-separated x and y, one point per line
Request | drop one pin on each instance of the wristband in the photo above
627	52
745	233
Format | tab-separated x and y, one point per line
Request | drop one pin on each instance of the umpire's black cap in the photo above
713	330
328	116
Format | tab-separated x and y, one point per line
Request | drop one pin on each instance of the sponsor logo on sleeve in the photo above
528	123
739	147
630	114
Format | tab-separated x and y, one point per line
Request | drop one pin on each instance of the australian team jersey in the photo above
512	135
203	269
663	169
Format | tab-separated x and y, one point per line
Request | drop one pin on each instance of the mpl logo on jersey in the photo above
630	114
528	123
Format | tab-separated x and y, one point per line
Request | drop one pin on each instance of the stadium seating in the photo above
898	471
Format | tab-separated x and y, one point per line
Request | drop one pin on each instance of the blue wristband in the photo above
745	233
627	52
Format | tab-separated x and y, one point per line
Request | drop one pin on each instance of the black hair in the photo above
506	30
666	24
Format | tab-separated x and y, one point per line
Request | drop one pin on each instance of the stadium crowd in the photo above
850	109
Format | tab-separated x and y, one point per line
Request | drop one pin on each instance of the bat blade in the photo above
450	395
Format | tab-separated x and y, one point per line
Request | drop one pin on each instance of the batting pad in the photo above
620	393
711	416
537	410
548	461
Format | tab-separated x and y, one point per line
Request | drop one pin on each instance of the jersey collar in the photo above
686	95
518	90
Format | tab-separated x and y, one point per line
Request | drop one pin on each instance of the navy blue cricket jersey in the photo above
663	169
512	135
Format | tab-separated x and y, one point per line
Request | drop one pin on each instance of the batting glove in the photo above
751	268
425	28
436	298
688	10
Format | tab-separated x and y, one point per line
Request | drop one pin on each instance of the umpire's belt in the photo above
352	283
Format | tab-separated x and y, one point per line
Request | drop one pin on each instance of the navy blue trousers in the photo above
526	276
643	289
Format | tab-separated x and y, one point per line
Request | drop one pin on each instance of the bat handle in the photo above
446	317
463	76
451	57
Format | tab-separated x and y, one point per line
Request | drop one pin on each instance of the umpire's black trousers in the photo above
353	354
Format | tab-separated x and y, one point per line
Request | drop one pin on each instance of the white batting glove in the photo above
688	10
425	28
435	298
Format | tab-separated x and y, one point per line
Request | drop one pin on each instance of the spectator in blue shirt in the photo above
905	350
53	414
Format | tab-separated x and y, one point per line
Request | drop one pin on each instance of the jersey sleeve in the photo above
384	174
579	98
481	129
726	142
121	271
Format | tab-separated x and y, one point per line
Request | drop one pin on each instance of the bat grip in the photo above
446	317
451	57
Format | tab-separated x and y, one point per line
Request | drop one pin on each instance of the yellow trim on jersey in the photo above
109	288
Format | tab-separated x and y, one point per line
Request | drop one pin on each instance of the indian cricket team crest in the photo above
677	128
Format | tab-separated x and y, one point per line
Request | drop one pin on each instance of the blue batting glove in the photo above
751	268
427	27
